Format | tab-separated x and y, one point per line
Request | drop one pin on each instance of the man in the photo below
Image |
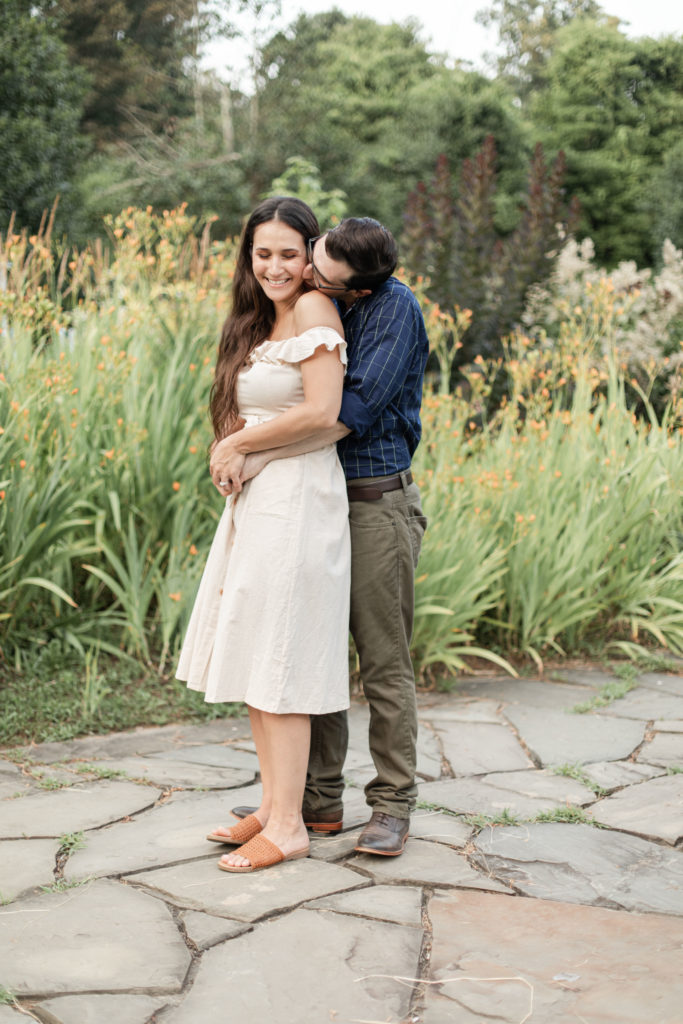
377	433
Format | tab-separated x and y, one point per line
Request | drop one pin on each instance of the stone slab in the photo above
663	682
522	794
91	939
562	964
460	709
166	772
202	886
86	805
665	749
26	864
137	741
12	780
475	748
542	783
424	863
9	789
582	864
653	809
428	754
645	705
335	847
221	755
284	972
439	828
393	903
166	834
612	775
546	695
667	726
94	1009
555	738
595	678
205	930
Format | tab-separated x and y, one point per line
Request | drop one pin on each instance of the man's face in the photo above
326	274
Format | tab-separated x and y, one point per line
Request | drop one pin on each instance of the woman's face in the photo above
278	259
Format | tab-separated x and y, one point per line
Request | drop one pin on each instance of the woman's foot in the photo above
291	841
240	833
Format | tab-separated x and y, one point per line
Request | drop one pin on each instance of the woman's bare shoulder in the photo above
313	309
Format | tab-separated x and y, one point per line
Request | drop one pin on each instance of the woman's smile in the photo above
278	260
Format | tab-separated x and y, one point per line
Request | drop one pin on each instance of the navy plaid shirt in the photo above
387	353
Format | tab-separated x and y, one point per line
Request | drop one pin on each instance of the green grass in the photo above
99	772
505	817
575	771
45	701
569	814
70	842
61	885
607	695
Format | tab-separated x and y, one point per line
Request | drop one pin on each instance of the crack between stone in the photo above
416	1006
533	757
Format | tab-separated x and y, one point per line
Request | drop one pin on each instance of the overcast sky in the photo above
446	27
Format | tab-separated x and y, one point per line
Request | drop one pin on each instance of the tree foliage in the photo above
615	106
133	52
527	31
41	95
452	238
369	106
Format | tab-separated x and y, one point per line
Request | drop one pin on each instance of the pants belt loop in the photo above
404	479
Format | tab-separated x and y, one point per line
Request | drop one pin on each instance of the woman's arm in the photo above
322	375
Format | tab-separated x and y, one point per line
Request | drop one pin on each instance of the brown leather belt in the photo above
373	492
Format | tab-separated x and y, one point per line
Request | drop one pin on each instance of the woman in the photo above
269	622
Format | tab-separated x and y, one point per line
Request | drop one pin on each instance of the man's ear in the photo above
360	293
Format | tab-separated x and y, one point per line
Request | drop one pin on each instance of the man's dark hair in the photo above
368	248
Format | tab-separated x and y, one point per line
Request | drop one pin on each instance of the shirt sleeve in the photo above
389	339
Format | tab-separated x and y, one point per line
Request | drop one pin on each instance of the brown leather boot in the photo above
384	835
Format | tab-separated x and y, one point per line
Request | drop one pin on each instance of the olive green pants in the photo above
386	535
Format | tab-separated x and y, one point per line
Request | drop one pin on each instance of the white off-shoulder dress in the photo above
270	622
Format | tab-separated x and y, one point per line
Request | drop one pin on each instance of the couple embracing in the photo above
315	409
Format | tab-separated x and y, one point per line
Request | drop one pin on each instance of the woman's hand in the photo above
222	471
226	467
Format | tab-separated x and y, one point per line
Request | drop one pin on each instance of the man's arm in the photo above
241	468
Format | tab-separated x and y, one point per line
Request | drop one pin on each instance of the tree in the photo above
666	200
332	89
195	163
372	109
527	31
41	96
134	52
454	241
615	106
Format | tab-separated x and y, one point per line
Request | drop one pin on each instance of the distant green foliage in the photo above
614	105
302	179
41	97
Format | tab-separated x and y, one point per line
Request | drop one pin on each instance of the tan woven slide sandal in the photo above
262	854
238	834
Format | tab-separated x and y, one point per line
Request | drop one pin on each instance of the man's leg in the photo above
325	780
385	544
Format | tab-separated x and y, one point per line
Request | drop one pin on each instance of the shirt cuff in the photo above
355	414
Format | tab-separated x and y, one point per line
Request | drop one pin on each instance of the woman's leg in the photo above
265	767
286	742
263	810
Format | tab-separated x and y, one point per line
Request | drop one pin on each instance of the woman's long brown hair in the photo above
253	314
